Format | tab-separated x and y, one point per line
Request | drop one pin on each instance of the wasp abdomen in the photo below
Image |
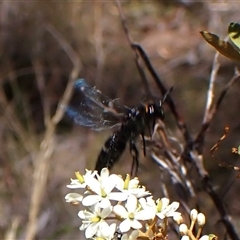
112	150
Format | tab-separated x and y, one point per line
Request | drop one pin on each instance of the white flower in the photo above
166	210
103	188
74	198
81	181
133	236
131	214
105	232
185	237
149	205
131	187
93	219
204	237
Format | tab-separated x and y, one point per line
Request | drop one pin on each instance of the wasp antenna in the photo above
166	94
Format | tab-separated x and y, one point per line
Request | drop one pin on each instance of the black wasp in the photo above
100	112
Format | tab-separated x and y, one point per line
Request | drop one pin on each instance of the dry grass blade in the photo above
47	146
12	232
11	120
210	94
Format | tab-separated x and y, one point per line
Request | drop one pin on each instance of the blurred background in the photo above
34	72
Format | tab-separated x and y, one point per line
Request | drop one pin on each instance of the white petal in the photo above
104	173
106	231
131	204
125	225
103	229
143	202
91	230
112	229
73	197
85	215
134	235
95	185
109	183
90	173
108	186
125	237
76	184
81	214
118	196
119	183
104	203
139	192
151	202
95	209
91	200
105	212
165	202
169	210
84	226
120	211
174	206
147	214
115	178
133	183
135	224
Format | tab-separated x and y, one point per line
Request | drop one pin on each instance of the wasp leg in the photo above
134	153
144	144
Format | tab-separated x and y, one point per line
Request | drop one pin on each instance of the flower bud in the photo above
193	214
204	237
178	219
183	229
201	219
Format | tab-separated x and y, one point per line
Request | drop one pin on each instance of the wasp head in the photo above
155	110
159	111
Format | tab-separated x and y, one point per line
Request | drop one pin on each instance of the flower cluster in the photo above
199	220
117	208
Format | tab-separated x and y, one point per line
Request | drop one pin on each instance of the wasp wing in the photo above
95	110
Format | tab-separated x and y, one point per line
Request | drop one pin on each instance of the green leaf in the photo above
225	48
234	34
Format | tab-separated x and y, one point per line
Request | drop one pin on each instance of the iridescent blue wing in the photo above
95	110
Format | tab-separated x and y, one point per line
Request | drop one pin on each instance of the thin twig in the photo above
139	51
212	112
39	72
191	151
218	202
131	43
